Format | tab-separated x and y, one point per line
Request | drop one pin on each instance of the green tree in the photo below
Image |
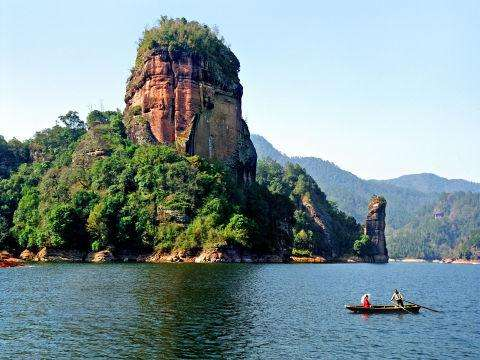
26	220
72	121
363	246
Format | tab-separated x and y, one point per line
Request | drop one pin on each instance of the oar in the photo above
438	311
396	304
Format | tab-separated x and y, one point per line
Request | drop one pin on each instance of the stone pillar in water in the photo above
375	228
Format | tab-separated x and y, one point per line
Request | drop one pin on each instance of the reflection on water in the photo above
235	311
195	309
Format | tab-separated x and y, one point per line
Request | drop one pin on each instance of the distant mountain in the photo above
449	227
350	192
428	183
427	216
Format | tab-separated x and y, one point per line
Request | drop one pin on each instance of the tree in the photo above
26	219
72	121
96	117
363	246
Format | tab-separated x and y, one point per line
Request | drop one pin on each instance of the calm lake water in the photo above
235	311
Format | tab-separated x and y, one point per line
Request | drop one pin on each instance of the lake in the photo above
236	311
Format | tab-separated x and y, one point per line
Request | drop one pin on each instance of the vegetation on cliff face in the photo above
180	36
95	189
319	227
449	227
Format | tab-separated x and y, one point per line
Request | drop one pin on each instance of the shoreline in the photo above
206	256
437	261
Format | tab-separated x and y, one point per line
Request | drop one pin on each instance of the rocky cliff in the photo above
173	98
375	228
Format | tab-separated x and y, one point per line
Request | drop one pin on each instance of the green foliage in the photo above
310	236
240	230
192	38
136	110
72	121
26	219
351	193
60	223
12	155
363	246
57	143
96	117
301	252
133	197
453	233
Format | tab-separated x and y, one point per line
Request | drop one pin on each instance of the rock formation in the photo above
172	99
322	222
375	228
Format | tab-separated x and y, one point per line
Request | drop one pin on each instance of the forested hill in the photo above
87	187
448	228
427	216
350	192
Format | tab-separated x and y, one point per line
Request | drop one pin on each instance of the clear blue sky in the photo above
381	88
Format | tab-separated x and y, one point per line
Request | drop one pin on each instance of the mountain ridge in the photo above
352	193
429	182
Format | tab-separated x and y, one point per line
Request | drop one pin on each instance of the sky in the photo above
380	88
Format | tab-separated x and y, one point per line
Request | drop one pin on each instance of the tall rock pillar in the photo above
172	99
375	228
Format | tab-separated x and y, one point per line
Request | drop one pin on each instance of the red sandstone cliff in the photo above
172	100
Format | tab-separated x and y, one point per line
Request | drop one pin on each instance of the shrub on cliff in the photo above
192	38
363	246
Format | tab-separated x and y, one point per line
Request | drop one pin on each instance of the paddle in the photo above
438	311
396	304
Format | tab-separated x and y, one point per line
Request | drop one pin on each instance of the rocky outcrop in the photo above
322	220
226	255
27	255
55	255
7	260
309	259
171	99
375	228
100	256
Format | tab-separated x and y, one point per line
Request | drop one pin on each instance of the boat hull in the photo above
383	309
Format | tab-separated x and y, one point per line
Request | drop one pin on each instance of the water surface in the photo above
235	311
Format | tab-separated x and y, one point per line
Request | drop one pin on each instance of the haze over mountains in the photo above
405	195
427	182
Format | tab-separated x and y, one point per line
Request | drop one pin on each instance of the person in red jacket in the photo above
366	301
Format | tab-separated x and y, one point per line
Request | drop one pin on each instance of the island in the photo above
172	178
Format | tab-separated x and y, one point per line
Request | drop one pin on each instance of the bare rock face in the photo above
321	219
375	228
171	100
225	255
100	256
27	255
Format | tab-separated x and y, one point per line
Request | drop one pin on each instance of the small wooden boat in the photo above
383	309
